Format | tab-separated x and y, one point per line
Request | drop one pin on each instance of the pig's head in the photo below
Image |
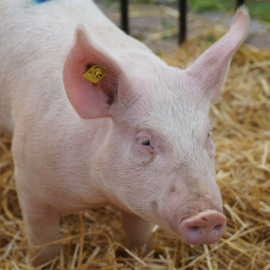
159	162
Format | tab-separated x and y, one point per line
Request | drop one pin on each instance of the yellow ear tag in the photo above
95	73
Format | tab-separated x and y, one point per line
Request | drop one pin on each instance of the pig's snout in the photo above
206	227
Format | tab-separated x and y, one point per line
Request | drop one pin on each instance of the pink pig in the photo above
137	139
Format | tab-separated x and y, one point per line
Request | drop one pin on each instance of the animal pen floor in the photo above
94	239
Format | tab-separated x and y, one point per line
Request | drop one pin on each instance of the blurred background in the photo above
155	22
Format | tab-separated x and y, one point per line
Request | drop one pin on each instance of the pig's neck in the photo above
87	143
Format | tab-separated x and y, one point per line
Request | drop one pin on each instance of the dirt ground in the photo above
157	25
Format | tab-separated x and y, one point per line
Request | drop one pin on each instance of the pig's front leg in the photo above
41	223
138	232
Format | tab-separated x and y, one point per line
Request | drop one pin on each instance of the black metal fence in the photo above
182	7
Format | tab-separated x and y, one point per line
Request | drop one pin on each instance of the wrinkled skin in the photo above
138	139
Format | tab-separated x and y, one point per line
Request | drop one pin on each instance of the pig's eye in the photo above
145	142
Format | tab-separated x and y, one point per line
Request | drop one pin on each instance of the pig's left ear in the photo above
211	67
92	97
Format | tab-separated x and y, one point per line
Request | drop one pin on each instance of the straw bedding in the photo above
241	131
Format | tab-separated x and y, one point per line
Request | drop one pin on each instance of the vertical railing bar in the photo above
182	5
240	2
124	16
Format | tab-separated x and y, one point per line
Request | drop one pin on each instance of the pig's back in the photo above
35	39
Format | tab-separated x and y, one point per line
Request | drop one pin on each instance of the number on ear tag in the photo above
95	73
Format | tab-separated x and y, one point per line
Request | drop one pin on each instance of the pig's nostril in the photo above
217	227
194	228
206	227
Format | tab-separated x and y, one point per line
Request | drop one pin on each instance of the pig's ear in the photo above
210	69
90	99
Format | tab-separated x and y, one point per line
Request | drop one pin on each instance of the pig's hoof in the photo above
206	227
40	256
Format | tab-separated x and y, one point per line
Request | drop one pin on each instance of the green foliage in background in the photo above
207	5
258	8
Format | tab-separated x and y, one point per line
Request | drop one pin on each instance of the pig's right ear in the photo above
90	99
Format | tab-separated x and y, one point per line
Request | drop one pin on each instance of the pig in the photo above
138	137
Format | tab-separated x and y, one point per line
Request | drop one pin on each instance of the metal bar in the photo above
124	16
182	6
182	21
240	2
